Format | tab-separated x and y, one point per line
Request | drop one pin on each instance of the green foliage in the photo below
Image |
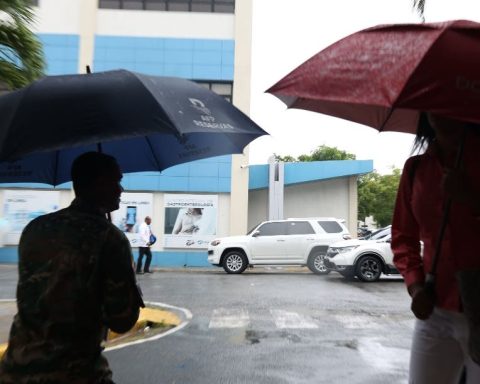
377	194
21	55
322	153
285	159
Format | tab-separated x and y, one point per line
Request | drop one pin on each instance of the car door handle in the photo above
280	240
310	239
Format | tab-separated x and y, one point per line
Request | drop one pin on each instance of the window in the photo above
217	6
224	89
272	229
299	228
331	226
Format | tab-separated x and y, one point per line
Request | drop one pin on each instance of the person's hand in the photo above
422	303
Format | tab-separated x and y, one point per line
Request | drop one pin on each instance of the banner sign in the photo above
134	207
22	206
190	220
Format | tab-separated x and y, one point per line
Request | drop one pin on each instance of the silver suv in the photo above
295	241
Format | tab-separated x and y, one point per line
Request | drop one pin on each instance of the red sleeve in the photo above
405	231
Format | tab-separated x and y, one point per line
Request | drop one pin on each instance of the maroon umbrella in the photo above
383	76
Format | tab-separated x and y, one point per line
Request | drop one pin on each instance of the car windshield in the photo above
252	229
379	233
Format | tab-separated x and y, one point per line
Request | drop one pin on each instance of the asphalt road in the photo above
273	326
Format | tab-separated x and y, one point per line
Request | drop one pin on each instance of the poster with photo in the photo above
22	206
190	220
134	207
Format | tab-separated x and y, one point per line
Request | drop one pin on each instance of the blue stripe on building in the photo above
197	59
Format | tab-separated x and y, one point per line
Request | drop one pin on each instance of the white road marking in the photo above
382	358
186	313
286	319
229	318
356	321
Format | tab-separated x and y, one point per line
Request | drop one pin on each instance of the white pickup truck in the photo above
302	241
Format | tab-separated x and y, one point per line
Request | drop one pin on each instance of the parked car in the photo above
378	233
295	241
365	259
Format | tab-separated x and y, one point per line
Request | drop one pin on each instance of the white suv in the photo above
366	259
302	241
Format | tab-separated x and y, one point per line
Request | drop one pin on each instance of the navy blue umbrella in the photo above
147	123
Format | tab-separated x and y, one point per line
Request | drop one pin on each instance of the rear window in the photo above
331	226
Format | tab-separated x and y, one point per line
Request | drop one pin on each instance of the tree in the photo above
377	194
322	153
21	55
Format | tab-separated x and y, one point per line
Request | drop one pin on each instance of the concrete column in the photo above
241	99
276	183
87	24
352	205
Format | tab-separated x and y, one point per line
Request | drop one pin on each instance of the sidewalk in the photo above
151	317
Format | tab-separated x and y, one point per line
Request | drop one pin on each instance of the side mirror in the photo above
388	240
255	234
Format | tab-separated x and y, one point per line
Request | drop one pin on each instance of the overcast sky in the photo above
286	33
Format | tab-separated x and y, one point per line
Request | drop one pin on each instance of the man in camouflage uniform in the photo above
76	279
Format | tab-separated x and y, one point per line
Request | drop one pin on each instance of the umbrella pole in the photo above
99	149
431	276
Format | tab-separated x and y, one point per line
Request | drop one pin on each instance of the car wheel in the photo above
235	262
316	265
368	268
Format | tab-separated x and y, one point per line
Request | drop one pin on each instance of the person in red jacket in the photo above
440	340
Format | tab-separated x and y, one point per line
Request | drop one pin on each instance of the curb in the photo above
154	314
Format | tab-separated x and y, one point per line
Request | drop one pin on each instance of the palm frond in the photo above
21	11
419	6
21	54
12	76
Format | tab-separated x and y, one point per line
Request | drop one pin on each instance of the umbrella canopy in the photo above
383	76
147	123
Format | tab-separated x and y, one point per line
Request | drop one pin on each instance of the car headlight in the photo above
346	249
215	242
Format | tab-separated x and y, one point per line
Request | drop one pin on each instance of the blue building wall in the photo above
168	259
197	59
61	53
297	173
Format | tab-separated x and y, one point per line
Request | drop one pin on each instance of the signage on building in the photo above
190	220
22	206
134	207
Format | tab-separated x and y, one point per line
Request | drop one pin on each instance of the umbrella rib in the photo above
55	170
442	32
390	112
157	162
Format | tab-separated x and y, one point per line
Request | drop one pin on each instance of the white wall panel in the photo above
165	24
54	16
328	198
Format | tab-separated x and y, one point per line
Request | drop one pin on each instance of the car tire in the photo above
368	268
235	262
316	265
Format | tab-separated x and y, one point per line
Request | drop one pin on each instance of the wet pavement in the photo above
155	318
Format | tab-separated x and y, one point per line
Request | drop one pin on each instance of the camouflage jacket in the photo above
76	278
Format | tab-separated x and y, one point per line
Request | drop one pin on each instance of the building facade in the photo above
208	41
